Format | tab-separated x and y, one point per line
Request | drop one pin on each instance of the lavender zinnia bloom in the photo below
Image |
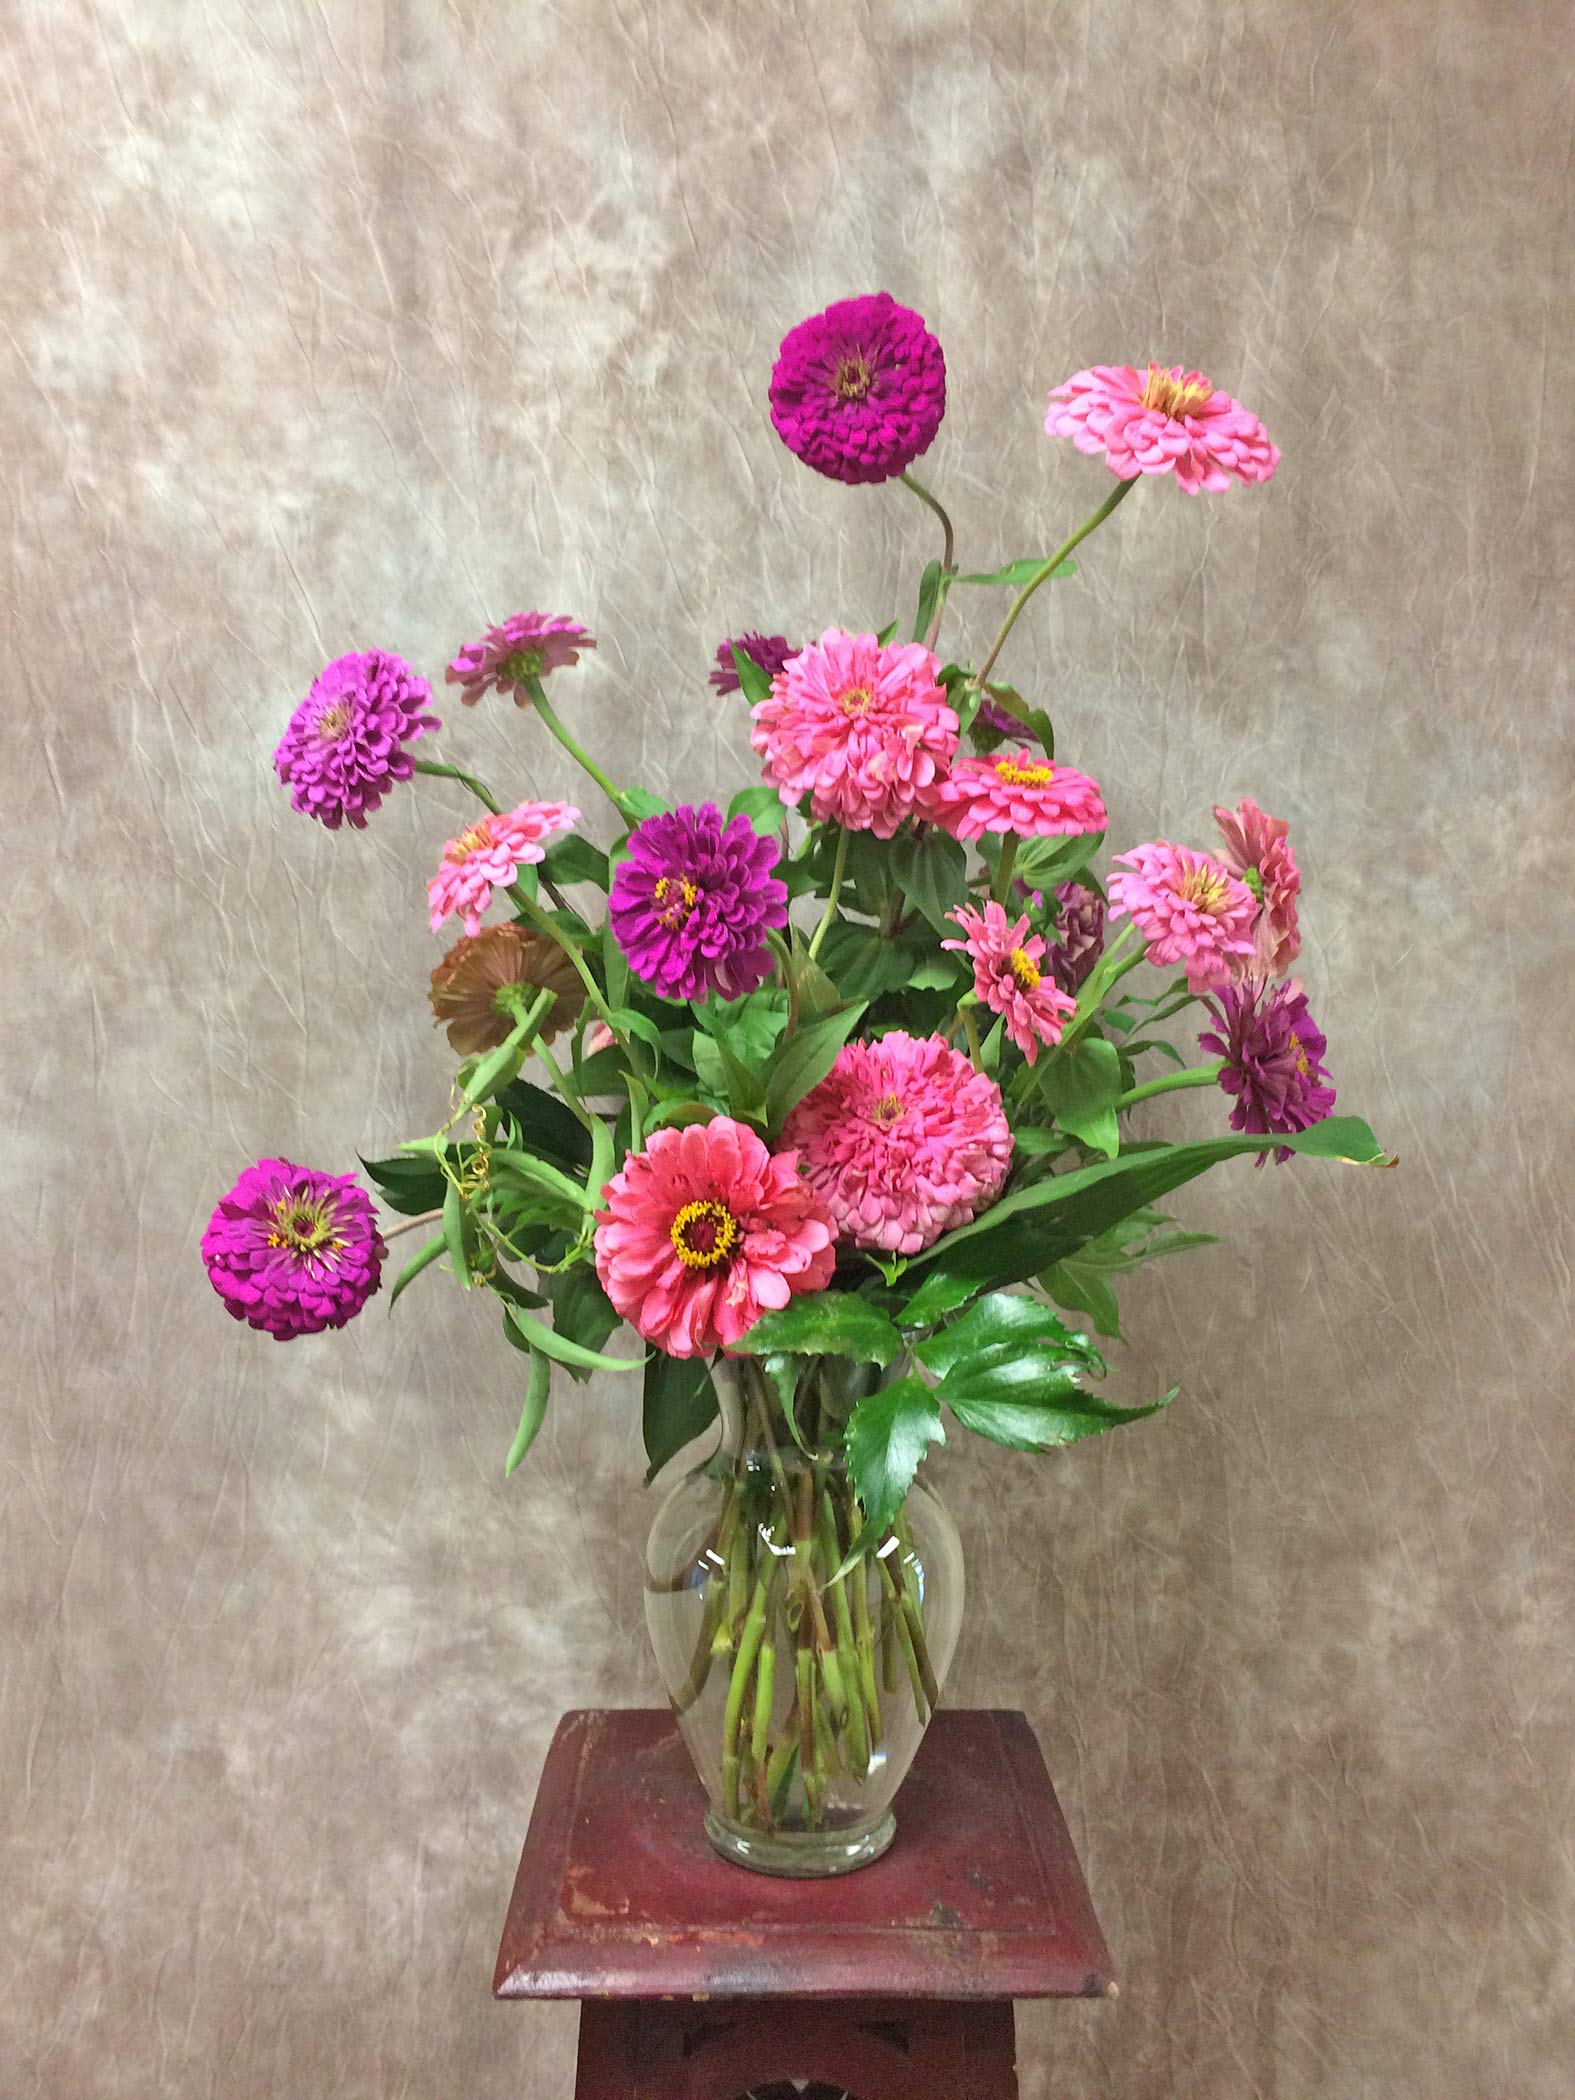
345	746
1079	937
769	651
1273	1054
692	903
292	1251
859	391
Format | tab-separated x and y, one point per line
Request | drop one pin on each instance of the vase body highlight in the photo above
802	1659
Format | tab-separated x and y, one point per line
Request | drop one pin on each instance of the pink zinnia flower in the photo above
1011	976
527	645
1162	421
864	729
1019	791
1257	852
902	1140
704	1231
1188	908
489	854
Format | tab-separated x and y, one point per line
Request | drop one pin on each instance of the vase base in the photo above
802	1855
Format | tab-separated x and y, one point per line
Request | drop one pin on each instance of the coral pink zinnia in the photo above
1162	421
1258	853
704	1231
864	729
1020	791
1012	977
902	1140
1188	908
489	854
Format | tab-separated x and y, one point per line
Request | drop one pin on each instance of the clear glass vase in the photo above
803	1660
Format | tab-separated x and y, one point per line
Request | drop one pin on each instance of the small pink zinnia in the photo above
489	854
902	1140
527	645
1162	421
1011	977
1188	908
704	1231
1258	853
862	728
1019	791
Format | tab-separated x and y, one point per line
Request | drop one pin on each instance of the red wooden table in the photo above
700	1981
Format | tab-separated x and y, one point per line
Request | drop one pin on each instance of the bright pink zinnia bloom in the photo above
1019	791
1256	846
1188	908
902	1140
704	1231
1011	977
863	728
1162	421
527	645
489	854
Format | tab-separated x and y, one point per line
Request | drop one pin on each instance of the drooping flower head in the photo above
1257	851
292	1251
769	651
993	726
345	745
1188	908
859	391
488	855
704	1231
903	1140
1012	976
692	904
1162	421
1273	1052
1079	937
864	728
1019	791
527	645
478	986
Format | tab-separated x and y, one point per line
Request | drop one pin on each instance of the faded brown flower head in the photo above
469	983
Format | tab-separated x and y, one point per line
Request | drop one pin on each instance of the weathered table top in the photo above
619	1895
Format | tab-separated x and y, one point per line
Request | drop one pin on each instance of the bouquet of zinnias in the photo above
800	1089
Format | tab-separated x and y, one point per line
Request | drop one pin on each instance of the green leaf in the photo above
625	1020
527	1332
1013	1398
939	1293
865	962
1082	1085
817	994
575	859
566	1193
1017	573
729	1078
884	634
639	803
824	1323
1083	1285
931	585
582	1312
1029	1141
755	682
546	1127
412	1269
1043	863
888	1434
1002	1319
750	1026
538	1385
409	1185
802	1060
931	870
454	1233
679	1404
763	807
615	967
510	1288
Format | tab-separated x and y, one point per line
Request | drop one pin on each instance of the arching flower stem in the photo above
1048	568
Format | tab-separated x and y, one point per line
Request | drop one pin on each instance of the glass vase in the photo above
802	1659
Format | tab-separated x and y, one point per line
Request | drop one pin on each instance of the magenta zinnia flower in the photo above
489	854
704	1231
1273	1052
1160	422
527	645
1011	976
345	746
1188	908
902	1140
292	1251
864	729
1079	935
859	390
1258	853
769	651
693	902
1019	791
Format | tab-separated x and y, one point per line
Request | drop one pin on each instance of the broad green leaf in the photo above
1083	1285
1006	1318
1082	1085
940	1292
817	993
755	682
931	870
510	1288
530	1333
581	1311
1015	1401
750	1026
546	1127
802	1060
1030	1142
764	808
824	1323
1043	863
679	1114
538	1385
729	1078
884	634
931	590
412	1269
625	1020
575	859
887	1436
1017	573
638	803
679	1404
865	962
409	1184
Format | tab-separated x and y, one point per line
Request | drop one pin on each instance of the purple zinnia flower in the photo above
769	651
992	725
1079	937
1273	1054
344	747
292	1251
859	391
527	645
693	901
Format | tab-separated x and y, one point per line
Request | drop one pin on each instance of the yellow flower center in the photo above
853	378
1203	888
1173	397
677	896
467	842
855	700
306	1226
704	1234
1024	969
333	722
886	1111
1017	775
1302	1066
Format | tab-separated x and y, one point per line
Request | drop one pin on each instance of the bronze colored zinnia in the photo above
471	986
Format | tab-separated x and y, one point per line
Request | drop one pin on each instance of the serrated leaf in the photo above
802	1060
538	1386
888	1434
1014	1401
1004	1318
824	1323
679	1403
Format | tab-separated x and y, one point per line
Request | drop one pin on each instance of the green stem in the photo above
972	1033
948	560
581	757
839	868
784	956
1105	978
514	1044
532	912
566	1088
435	771
1048	568
1004	867
743	1669
1169	1083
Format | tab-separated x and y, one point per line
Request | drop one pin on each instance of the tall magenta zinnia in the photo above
345	744
292	1251
859	390
1273	1051
692	903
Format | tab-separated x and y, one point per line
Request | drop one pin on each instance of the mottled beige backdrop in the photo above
341	324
